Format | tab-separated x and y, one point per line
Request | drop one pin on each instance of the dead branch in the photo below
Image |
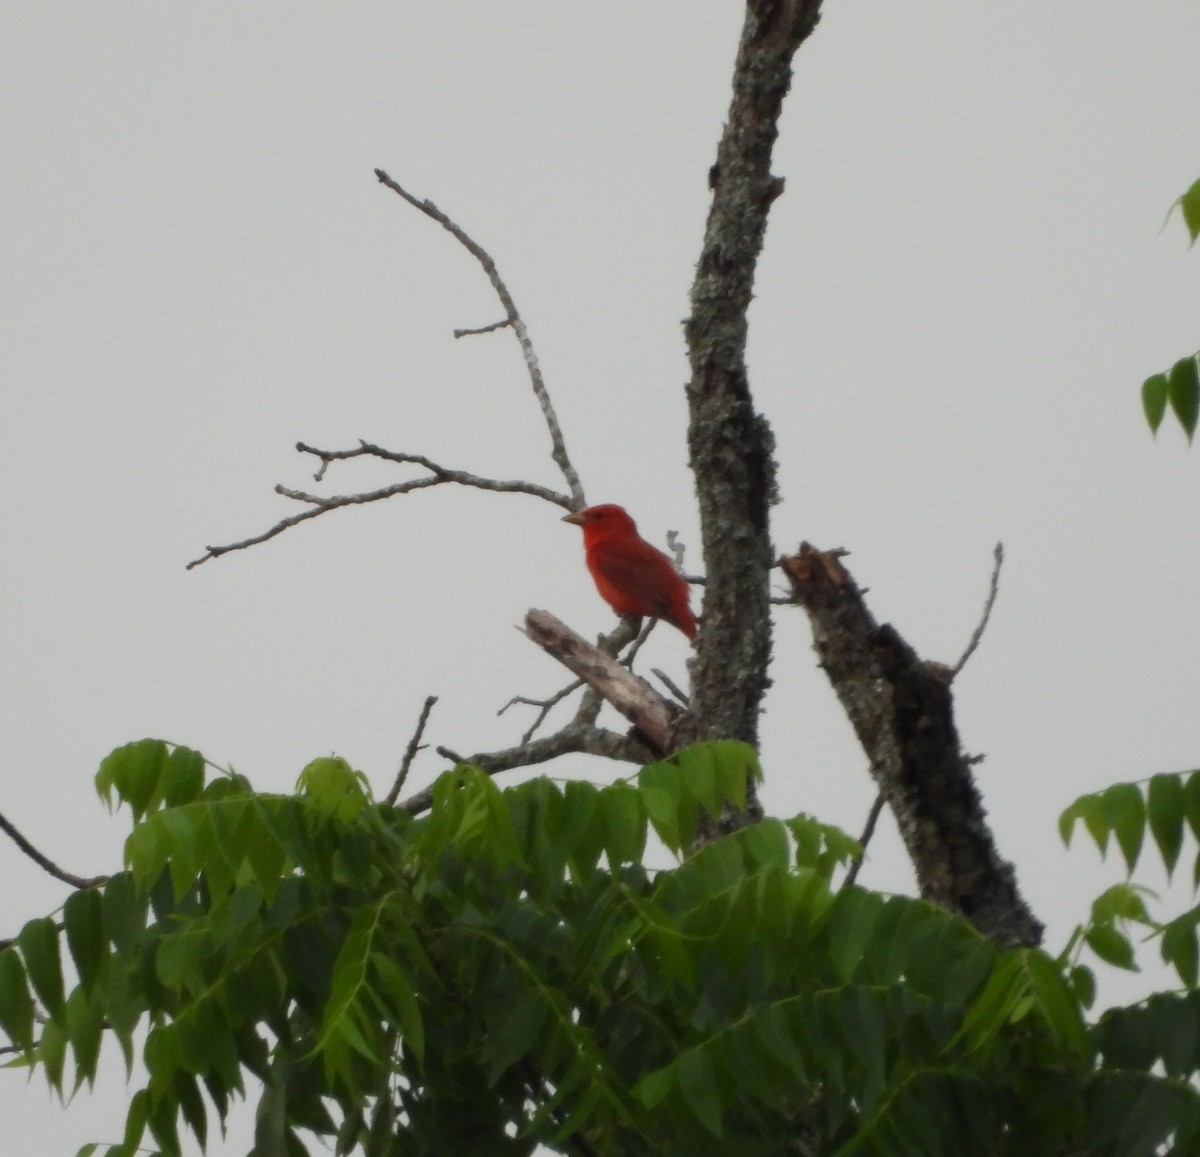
437	474
867	833
545	706
45	863
666	681
575	738
513	318
994	590
903	713
655	717
504	324
414	745
318	504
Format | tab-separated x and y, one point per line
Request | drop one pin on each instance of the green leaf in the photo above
1183	392
83	919
517	1033
85	1023
51	1053
624	824
135	1119
1083	981
1111	946
1189	206
16	1005
672	807
1154	400
183	777
134	771
654	1086
583	828
334	787
38	942
1167	809
124	911
698	1083
1179	947
1122	902
1056	1004
852	921
1125	813
179	828
1089	809
403	1002
698	773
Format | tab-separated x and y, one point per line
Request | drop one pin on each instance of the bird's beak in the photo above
576	519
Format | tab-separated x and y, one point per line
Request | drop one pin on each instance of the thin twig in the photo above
545	706
643	635
998	555
671	686
319	504
504	324
414	745
45	863
864	840
558	445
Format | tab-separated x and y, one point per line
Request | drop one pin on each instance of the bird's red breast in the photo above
632	576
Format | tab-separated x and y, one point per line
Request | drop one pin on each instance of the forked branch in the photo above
436	474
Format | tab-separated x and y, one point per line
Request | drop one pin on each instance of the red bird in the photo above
632	576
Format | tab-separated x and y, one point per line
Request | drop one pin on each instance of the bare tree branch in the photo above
655	717
575	738
438	474
45	863
977	635
504	324
414	745
545	706
319	504
865	839
903	713
558	449
681	695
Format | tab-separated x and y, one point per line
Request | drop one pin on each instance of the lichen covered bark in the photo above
730	443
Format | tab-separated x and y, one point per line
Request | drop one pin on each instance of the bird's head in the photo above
602	521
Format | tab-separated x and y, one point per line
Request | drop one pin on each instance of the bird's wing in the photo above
635	573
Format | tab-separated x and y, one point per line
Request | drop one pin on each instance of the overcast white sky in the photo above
963	288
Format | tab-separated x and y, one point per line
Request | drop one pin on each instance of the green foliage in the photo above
1189	207
1166	807
1179	386
506	971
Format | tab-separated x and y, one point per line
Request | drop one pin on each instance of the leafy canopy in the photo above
509	970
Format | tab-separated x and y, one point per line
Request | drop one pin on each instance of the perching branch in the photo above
45	863
655	717
611	645
903	713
